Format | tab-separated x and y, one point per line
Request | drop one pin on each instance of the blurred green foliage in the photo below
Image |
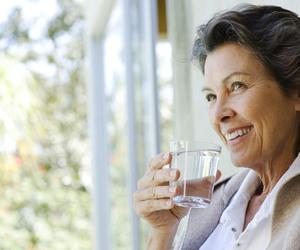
45	199
44	186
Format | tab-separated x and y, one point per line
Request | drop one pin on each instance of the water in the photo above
197	177
191	201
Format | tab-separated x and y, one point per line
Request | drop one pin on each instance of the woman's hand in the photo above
153	198
153	201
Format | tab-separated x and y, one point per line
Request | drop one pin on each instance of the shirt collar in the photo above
235	212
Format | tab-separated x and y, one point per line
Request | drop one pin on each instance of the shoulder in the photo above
286	216
287	202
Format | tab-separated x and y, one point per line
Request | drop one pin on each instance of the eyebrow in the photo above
226	79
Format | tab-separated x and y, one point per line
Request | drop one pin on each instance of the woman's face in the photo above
247	108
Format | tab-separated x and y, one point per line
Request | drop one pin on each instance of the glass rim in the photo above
198	145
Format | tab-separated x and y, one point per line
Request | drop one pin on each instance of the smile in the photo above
237	133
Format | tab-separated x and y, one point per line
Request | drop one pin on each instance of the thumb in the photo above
218	175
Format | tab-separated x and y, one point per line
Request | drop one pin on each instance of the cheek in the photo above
272	123
213	123
251	107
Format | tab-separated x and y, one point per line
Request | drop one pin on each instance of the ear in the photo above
297	103
296	98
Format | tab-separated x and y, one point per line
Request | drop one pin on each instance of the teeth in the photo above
237	133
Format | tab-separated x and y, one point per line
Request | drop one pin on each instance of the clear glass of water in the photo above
197	163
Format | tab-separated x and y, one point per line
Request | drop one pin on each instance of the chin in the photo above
239	161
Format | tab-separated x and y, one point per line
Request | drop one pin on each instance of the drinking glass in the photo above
197	163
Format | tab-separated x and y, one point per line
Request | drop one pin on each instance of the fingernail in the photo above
166	156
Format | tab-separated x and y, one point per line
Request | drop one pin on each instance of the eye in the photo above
237	85
210	97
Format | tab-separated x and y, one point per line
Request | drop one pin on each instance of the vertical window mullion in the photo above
131	119
97	113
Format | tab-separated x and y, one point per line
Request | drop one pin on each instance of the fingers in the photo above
153	176
153	192
149	206
157	177
158	192
159	161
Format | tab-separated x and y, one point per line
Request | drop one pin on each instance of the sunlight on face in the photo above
247	108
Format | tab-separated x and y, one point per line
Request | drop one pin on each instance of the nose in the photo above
222	111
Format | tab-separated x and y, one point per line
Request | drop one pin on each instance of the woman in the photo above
250	58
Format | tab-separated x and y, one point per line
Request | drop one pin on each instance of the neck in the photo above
270	171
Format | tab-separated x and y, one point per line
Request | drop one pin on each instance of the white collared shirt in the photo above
229	234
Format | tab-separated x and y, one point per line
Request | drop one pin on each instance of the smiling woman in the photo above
248	108
250	58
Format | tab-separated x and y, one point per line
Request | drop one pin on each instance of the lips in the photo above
232	134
